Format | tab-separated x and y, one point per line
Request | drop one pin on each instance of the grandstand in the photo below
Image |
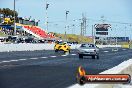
38	32
25	27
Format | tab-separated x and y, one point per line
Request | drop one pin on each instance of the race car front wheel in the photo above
56	50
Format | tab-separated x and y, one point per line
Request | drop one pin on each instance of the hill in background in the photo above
75	38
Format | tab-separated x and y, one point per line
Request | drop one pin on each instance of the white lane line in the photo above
22	59
53	56
13	60
123	49
115	50
33	58
44	57
63	55
5	61
106	51
73	54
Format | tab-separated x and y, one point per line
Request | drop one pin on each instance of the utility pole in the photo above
105	36
73	27
116	35
81	29
93	34
83	25
14	17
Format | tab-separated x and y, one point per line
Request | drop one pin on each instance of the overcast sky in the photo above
112	10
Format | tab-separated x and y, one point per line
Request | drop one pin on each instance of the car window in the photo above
91	45
87	45
61	43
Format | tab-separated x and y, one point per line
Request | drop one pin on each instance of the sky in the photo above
111	11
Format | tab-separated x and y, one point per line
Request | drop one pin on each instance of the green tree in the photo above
8	12
0	14
4	12
0	11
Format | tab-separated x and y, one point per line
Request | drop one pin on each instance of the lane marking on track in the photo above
53	56
63	55
5	61
73	54
33	58
13	60
44	57
22	59
106	51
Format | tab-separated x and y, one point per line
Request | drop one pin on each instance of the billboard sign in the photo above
102	33
102	29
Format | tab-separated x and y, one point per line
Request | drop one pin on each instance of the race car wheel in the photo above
93	57
69	51
56	50
80	56
82	80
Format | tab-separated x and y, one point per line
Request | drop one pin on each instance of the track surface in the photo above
47	69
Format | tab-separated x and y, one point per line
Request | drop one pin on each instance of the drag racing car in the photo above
88	50
62	46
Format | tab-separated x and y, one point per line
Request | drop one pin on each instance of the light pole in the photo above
14	17
116	35
73	28
66	25
125	34
110	37
93	34
47	5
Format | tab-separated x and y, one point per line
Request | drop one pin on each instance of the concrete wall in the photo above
25	47
103	46
31	47
123	68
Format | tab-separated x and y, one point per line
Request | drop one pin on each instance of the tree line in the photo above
6	12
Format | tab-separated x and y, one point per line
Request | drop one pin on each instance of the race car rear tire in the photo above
80	56
69	51
93	57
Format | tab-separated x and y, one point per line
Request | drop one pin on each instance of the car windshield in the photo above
62	43
87	45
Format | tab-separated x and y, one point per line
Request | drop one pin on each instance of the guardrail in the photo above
123	68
